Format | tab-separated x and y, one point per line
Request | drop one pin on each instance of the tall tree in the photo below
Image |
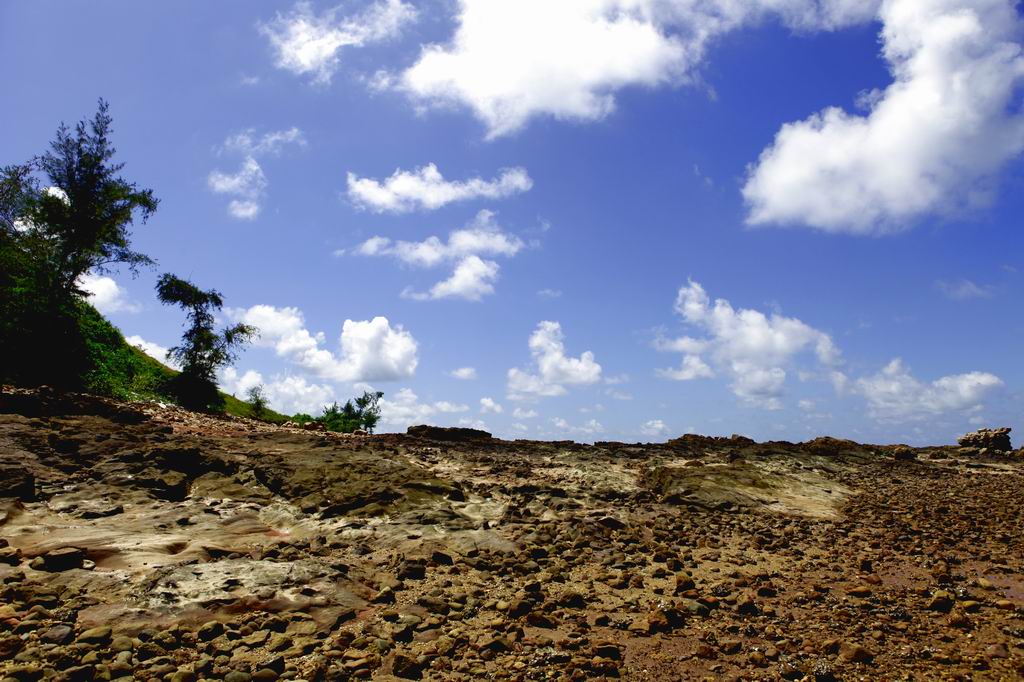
88	209
64	213
203	350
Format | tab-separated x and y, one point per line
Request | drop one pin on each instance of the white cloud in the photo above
478	424
553	368
894	394
520	413
106	295
653	428
590	428
237	384
963	290
512	60
549	293
309	45
404	409
752	349
285	394
292	394
931	142
153	350
369	350
249	184
426	189
472	277
464	373
247	142
489	406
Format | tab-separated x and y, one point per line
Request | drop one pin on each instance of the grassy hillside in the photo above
123	371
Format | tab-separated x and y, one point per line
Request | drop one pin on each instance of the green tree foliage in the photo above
203	350
257	399
63	214
364	414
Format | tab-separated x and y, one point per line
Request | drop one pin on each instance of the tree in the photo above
257	402
63	214
85	213
203	350
363	414
368	406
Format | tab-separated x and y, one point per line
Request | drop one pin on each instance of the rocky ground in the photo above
144	542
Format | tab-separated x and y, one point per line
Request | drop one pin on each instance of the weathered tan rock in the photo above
994	439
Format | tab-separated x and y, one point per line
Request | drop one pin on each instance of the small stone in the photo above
997	651
210	630
237	676
941	601
747	606
122	644
264	675
100	635
58	634
855	653
63	559
860	592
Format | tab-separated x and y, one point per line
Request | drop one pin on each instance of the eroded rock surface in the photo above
145	542
993	439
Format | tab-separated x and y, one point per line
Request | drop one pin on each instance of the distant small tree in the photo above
257	402
364	413
203	350
368	406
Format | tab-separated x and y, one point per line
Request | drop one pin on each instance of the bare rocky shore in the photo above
140	541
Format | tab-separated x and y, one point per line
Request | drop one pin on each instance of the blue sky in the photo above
621	219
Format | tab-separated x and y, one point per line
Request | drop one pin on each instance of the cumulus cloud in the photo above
653	428
490	406
752	349
239	384
520	413
369	350
512	60
405	409
472	277
106	295
426	189
248	185
553	369
153	350
285	394
309	45
931	141
464	373
963	290
588	429
893	394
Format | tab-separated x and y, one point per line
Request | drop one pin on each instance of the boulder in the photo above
17	482
993	439
452	433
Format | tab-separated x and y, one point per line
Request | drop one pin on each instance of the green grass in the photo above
120	370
